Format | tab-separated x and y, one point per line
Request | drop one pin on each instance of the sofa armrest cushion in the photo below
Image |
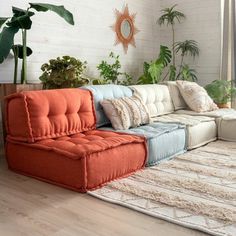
37	115
107	91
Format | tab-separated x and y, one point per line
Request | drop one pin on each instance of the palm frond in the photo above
187	47
170	16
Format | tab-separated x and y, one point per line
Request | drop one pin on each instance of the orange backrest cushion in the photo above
37	115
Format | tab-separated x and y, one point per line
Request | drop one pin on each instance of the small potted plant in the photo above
65	72
110	72
20	23
222	92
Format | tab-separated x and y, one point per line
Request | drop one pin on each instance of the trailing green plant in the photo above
65	72
21	21
110	72
152	71
221	91
171	16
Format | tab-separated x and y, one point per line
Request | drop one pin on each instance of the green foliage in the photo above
65	72
21	20
152	71
187	47
186	73
18	50
110	72
170	16
59	10
3	20
6	41
172	73
221	91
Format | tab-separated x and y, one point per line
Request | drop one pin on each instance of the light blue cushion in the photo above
108	91
164	140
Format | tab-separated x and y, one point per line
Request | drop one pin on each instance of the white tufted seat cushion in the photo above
156	97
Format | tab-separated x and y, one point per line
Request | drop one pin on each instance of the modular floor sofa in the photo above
52	136
64	137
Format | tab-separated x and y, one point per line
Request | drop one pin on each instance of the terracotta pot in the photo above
223	105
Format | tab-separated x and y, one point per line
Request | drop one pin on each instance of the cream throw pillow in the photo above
196	96
126	112
176	96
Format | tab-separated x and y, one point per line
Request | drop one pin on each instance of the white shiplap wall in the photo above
203	24
91	38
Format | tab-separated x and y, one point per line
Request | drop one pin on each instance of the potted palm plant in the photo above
21	22
222	92
170	17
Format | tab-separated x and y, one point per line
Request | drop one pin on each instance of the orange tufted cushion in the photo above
82	161
80	145
38	115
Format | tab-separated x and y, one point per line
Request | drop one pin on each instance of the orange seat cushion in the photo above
38	115
81	161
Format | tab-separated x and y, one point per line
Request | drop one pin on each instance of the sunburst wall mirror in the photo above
124	28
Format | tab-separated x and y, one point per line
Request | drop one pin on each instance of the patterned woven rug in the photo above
195	190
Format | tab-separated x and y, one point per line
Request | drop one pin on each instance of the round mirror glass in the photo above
125	29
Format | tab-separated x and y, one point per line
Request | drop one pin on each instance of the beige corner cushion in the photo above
176	96
227	128
200	129
220	113
196	96
126	112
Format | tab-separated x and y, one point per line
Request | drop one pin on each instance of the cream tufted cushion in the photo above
176	96
196	96
126	112
156	97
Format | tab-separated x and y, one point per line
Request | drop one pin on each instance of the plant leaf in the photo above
155	71
19	48
22	22
172	75
3	20
6	41
60	10
20	12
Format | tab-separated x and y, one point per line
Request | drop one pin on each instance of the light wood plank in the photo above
29	207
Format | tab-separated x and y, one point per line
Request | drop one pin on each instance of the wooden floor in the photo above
30	208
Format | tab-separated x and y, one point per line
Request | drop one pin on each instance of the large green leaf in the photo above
19	49
21	12
60	10
155	71
164	55
21	18
6	41
3	20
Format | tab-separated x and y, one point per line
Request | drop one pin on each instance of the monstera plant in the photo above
21	21
152	71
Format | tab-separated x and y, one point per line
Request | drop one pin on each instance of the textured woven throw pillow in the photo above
126	112
196	96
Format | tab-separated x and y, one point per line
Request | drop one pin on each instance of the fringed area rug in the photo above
195	190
